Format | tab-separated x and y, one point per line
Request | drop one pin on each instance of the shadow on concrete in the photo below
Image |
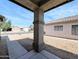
26	43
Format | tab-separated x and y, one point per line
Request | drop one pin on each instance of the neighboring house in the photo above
65	27
16	29
19	29
26	29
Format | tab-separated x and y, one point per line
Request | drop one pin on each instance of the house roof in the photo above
64	20
44	4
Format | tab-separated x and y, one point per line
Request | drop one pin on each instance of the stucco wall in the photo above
66	33
26	29
16	29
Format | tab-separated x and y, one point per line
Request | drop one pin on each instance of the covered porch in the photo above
38	45
39	7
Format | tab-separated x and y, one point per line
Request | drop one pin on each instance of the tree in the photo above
31	28
6	25
2	19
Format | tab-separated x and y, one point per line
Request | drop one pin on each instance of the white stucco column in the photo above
38	43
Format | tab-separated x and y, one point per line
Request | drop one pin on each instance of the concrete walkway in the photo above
15	49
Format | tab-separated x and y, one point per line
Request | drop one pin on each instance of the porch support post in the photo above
38	43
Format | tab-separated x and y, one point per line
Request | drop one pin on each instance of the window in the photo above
58	28
74	29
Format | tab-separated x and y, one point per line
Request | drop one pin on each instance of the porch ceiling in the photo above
44	4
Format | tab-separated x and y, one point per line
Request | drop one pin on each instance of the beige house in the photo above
65	27
26	29
16	29
20	29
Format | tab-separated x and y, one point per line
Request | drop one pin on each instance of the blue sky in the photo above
24	18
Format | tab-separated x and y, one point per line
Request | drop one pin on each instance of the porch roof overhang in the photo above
46	5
